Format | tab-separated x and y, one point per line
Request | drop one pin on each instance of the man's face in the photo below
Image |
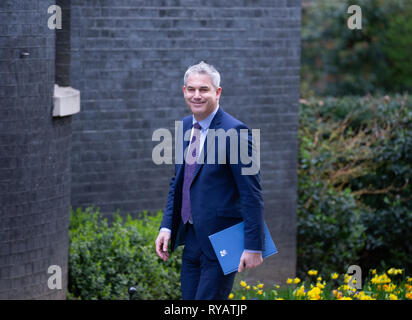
200	95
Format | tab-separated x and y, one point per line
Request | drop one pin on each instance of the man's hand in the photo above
249	260
162	243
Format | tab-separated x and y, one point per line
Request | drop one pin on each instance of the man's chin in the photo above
198	109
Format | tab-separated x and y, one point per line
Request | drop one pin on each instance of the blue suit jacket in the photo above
220	195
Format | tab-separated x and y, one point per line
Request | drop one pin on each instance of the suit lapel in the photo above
187	125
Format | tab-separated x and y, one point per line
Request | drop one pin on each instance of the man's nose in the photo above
197	94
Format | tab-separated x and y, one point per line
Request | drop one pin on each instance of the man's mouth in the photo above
197	102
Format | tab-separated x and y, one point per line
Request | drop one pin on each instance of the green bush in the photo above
396	39
339	61
354	206
330	229
105	260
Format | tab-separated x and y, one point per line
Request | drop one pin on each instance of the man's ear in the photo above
219	92
184	89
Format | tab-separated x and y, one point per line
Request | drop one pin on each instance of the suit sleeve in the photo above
246	174
168	213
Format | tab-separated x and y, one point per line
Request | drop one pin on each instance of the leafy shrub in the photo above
339	61
396	39
354	204
105	260
330	228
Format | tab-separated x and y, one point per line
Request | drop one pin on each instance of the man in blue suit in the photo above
208	196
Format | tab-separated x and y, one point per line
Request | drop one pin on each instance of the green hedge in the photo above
355	204
338	61
106	259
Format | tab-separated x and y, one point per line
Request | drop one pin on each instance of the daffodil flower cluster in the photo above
390	285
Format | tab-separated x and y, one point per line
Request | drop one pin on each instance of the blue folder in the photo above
228	245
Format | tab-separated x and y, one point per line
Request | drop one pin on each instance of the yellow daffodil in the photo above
337	294
312	272
362	296
321	285
299	292
314	294
389	287
366	297
393	271
377	286
346	278
382	279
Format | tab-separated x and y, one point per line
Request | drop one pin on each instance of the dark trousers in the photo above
201	277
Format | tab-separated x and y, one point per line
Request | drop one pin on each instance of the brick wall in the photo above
63	45
34	156
128	59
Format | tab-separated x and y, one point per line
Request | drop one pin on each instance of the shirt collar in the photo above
205	123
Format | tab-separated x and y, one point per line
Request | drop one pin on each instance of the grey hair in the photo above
204	68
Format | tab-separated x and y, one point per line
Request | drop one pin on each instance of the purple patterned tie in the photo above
190	166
